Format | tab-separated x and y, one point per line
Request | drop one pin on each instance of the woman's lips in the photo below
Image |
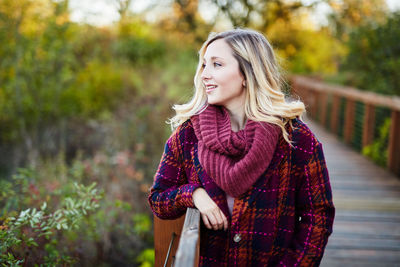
210	88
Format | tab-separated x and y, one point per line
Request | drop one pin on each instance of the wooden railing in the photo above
168	234
189	245
325	102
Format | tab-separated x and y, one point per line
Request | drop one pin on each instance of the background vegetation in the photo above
82	109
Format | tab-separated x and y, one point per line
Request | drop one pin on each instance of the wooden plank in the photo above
368	125
360	203
340	262
343	215
392	256
394	143
188	250
362	242
368	228
377	258
163	230
375	182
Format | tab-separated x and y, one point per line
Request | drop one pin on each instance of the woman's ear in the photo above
244	83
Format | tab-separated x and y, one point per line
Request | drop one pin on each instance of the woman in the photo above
243	158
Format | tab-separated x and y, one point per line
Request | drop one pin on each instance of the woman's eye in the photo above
203	66
216	64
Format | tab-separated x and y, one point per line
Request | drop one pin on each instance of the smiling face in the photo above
222	77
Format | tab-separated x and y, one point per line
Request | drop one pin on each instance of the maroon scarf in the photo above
234	160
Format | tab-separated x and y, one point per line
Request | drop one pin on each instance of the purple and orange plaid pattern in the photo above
284	219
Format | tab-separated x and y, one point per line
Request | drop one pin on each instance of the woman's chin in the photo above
212	102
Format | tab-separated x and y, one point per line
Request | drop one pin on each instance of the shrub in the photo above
378	150
78	224
32	235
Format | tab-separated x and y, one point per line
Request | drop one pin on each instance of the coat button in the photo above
237	238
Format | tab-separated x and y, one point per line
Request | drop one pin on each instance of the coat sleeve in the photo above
171	193
315	212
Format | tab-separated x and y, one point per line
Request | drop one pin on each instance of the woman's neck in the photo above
238	118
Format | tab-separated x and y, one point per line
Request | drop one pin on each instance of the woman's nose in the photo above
205	75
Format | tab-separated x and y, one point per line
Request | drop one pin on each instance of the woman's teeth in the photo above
210	88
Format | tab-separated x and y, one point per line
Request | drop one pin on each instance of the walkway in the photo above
366	231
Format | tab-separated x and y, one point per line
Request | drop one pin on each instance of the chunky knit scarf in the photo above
234	160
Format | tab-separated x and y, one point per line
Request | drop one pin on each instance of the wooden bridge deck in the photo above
366	231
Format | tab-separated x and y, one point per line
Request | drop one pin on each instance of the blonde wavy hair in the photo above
265	100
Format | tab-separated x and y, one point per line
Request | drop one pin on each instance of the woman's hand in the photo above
211	214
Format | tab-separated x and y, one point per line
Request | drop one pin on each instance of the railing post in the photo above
305	97
295	89
313	101
349	120
394	143
163	232
335	113
368	125
323	106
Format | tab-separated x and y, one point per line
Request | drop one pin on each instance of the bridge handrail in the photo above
187	253
391	102
315	96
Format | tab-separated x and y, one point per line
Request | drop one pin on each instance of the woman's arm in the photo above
171	193
316	212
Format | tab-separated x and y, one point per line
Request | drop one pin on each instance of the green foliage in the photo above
139	51
378	150
142	224
25	236
48	213
306	51
146	258
317	53
35	70
98	89
60	80
374	57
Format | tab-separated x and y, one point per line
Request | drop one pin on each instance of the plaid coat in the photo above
284	219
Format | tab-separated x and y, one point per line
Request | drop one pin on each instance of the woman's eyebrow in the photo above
214	57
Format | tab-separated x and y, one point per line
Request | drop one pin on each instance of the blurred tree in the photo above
51	71
36	65
349	14
123	7
374	57
260	14
186	12
306	51
184	22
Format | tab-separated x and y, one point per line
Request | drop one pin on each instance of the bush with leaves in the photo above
31	235
378	150
117	233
